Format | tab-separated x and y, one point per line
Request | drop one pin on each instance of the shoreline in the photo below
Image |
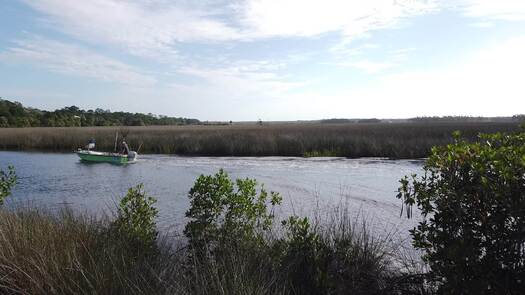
64	152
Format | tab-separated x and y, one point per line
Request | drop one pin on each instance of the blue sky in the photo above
268	59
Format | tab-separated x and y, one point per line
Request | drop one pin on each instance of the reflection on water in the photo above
367	186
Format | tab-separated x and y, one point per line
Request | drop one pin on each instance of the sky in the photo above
245	60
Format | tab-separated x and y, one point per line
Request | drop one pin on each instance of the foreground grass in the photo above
42	253
64	253
395	140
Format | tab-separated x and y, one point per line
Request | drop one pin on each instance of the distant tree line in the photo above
430	119
14	114
341	121
515	118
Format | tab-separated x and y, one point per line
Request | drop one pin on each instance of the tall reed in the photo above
394	140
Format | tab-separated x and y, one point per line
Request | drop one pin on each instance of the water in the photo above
366	186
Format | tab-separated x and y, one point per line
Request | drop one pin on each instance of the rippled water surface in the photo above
366	186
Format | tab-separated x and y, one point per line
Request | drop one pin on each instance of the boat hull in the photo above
103	157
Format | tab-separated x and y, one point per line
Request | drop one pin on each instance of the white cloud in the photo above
269	18
148	28
510	10
243	80
238	92
482	25
70	59
153	28
344	49
355	58
368	66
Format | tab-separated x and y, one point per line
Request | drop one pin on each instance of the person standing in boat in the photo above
125	148
91	144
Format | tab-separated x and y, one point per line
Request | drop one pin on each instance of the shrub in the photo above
339	257
7	181
221	209
472	202
303	256
136	216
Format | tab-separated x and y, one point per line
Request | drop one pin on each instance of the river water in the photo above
367	187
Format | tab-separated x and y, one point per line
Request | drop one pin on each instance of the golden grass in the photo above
394	140
42	253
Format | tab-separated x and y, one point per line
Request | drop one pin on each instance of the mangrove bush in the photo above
7	181
136	216
471	198
221	208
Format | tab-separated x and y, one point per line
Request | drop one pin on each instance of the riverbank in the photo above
390	140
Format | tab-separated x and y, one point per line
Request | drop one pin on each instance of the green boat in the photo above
114	158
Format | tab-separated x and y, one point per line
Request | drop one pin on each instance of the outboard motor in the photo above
132	155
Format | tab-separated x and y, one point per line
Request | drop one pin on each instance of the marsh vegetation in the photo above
392	140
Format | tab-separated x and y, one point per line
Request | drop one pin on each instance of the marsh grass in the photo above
393	140
63	253
68	253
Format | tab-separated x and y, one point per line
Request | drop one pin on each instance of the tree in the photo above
4	122
14	114
472	203
519	118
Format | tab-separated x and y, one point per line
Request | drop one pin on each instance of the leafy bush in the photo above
136	216
472	202
221	209
7	181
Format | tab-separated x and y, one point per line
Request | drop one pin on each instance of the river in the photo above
366	186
